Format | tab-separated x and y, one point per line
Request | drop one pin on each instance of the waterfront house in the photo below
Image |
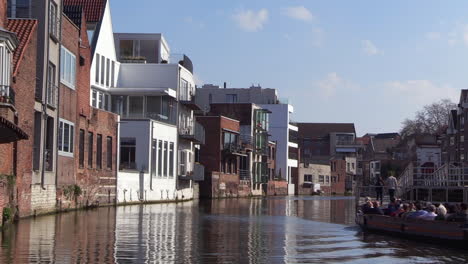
334	143
282	130
224	158
87	143
45	118
315	177
254	124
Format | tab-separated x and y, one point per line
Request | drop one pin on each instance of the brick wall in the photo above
339	172
24	83
3	13
43	200
277	188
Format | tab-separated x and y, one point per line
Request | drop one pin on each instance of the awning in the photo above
10	132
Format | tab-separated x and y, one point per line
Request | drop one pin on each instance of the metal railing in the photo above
52	91
7	94
232	147
196	132
244	174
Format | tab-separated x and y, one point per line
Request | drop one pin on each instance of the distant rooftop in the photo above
319	130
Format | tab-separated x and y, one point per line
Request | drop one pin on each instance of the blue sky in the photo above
373	63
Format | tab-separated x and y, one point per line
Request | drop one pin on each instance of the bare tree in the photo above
431	119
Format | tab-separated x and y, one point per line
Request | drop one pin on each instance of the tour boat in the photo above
414	228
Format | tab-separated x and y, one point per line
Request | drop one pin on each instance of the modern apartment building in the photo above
282	130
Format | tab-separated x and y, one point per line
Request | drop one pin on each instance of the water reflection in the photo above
273	230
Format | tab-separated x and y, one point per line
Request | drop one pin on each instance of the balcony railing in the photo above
244	174
52	91
198	172
195	133
232	148
7	95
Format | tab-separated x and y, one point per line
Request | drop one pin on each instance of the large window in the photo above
98	60
81	148
307	178
229	139
90	149
109	153
103	66
67	68
171	159
231	98
53	20
183	163
128	153
166	150
65	136
19	9
160	155
100	100
108	73
136	106
99	151
5	65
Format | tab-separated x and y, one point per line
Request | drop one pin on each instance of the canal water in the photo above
257	230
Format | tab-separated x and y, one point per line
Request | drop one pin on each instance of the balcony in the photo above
52	91
246	141
189	102
233	148
293	155
7	95
195	133
244	175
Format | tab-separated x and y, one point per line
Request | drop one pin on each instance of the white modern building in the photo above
135	76
281	129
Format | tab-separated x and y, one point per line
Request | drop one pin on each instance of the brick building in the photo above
87	155
224	158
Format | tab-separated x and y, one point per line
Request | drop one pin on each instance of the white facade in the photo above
279	130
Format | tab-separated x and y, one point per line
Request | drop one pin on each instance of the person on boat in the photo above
393	206
430	215
392	186
461	216
379	184
403	209
375	209
441	212
367	206
418	213
409	210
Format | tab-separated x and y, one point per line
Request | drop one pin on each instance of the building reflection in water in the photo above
257	230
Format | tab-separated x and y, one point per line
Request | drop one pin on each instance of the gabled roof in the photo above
320	130
24	29
93	9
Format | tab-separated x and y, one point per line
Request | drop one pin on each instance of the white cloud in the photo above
369	48
299	13
433	35
250	20
420	91
329	86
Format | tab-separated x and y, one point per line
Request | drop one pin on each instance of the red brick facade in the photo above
96	182
338	176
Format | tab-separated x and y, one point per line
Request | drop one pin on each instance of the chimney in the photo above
225	85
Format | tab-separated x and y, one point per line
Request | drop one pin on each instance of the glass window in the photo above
153	106
68	68
81	148
66	134
99	151
183	162
113	74
160	160
171	159
166	152
90	149
127	153
109	153
126	49
53	20
94	98
153	158
108	73
136	106
98	57
103	66
231	98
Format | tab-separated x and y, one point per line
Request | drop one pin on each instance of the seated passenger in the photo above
366	208
403	209
392	206
375	209
461	216
441	212
430	215
419	212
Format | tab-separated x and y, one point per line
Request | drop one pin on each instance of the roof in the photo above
387	135
24	29
74	13
93	9
319	130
